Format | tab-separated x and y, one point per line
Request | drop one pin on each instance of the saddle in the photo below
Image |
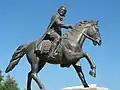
45	46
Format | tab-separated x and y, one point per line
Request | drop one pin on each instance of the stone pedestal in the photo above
91	87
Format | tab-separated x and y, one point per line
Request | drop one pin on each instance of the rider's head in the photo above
62	11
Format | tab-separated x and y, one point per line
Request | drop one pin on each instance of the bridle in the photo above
87	36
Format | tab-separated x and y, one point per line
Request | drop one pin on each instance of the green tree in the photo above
10	84
1	79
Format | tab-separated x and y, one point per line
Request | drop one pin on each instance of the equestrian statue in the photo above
57	48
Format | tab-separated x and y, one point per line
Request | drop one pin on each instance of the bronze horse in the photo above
69	52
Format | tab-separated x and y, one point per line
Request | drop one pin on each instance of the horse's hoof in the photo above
28	88
92	73
86	86
43	89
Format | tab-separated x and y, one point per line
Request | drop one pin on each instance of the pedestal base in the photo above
91	87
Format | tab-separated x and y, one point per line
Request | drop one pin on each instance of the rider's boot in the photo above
51	55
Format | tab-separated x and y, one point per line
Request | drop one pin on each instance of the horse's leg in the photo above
29	81
78	69
92	65
37	67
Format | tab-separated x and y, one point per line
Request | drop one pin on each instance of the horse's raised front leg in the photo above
92	65
80	74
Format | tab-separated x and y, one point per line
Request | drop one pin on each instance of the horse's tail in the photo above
18	54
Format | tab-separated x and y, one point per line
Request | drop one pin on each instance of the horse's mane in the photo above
71	32
75	31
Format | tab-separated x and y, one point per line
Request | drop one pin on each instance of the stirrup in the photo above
37	52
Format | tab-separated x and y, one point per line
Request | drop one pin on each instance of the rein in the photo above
83	33
88	36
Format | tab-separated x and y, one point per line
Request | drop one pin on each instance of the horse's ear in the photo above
86	21
97	22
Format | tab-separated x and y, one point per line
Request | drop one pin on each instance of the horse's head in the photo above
91	31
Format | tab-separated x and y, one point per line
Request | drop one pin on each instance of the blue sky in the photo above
22	21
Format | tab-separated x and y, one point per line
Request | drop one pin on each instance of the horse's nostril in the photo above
99	41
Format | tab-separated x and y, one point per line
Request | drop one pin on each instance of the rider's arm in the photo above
62	25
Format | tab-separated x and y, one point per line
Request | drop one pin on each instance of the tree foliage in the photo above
8	84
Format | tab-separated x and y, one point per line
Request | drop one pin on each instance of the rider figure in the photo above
54	28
